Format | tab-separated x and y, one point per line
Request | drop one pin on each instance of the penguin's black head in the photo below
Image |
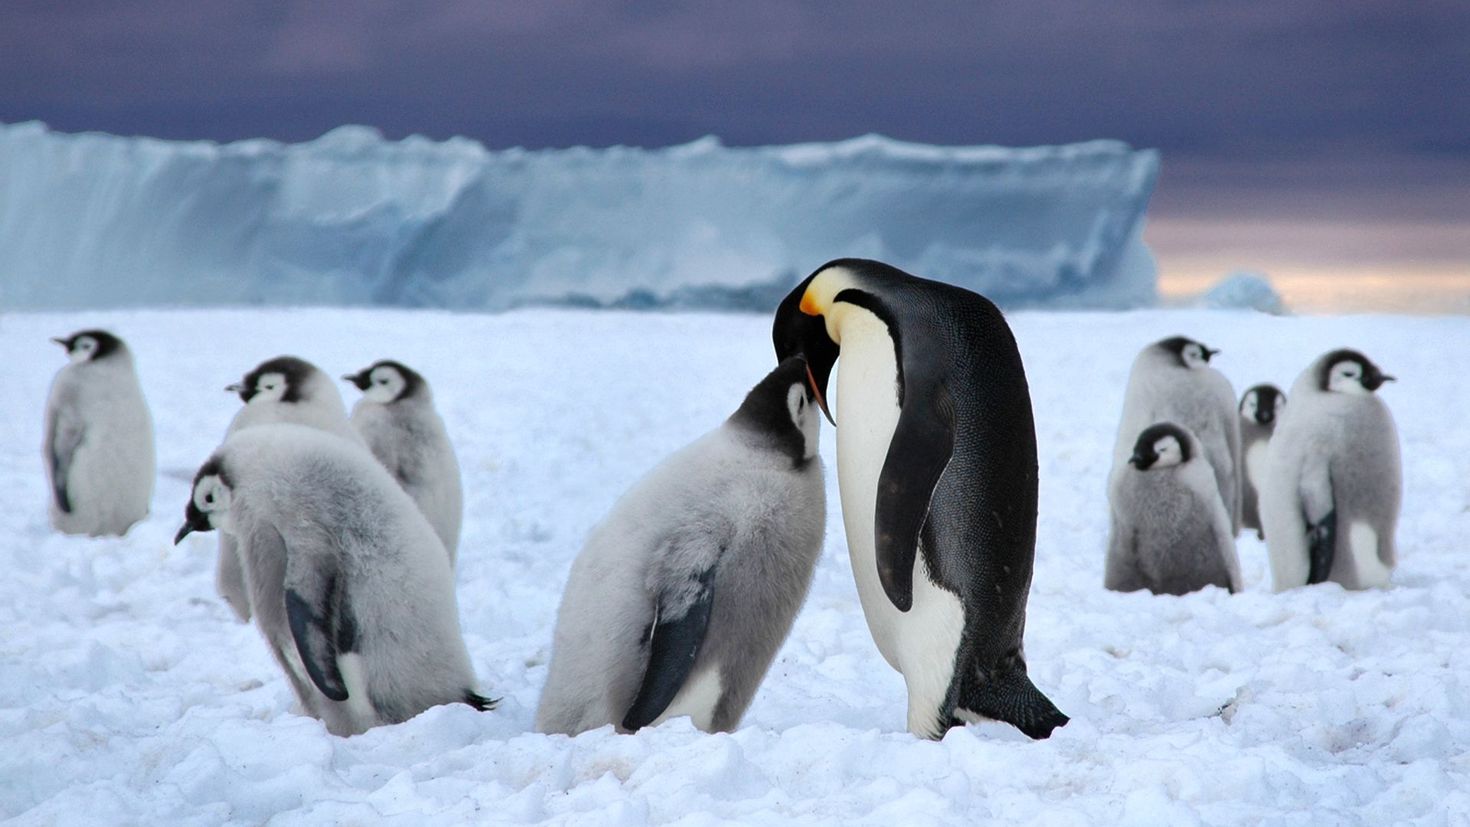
1348	371
780	410
1190	353
800	329
89	345
1160	445
1262	404
210	495
280	379
387	381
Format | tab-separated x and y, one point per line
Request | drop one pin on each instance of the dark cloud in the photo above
1197	78
1322	92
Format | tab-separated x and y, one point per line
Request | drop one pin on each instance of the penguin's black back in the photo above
955	348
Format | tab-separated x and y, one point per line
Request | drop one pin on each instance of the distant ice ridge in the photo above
93	220
1244	290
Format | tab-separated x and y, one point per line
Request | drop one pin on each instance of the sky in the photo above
1301	139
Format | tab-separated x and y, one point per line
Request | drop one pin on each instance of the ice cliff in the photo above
93	220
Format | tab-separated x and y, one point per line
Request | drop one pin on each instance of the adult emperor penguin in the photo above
396	417
683	594
350	585
1172	381
936	462
1330	499
1170	533
99	439
283	389
1259	409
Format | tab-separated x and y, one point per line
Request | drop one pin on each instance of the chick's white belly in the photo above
1255	463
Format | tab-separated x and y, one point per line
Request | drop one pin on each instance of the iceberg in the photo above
1244	290
94	220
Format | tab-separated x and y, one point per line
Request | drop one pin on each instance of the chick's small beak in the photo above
60	341
360	379
1373	379
194	520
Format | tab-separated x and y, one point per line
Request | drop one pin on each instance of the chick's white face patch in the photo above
1346	377
1248	406
212	497
804	416
385	384
270	387
1194	356
83	349
1169	451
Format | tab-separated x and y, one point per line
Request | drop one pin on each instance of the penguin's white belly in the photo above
697	698
1255	463
354	679
921	642
1363	545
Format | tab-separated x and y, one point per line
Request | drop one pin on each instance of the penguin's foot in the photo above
1010	696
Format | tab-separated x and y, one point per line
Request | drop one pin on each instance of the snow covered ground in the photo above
129	695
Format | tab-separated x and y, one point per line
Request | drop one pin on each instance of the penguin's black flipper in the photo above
1010	696
673	644
480	702
922	444
63	437
1321	543
320	620
58	489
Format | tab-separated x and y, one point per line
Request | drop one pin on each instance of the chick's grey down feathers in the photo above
350	587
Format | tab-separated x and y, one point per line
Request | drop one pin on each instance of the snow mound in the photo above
1244	291
93	220
128	694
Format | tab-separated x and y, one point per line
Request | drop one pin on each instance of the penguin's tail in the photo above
1010	696
480	702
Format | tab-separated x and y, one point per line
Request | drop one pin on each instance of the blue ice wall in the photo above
92	220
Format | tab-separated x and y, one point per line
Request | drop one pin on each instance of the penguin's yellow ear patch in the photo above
809	304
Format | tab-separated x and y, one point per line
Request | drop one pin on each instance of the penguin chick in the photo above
1333	482
350	586
98	447
283	389
683	594
1172	381
289	389
1170	533
396	417
1260	407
